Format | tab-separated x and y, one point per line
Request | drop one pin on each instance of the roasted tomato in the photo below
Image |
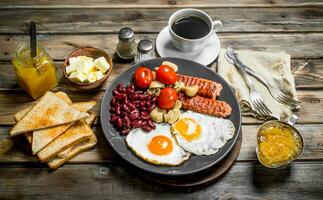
143	77
167	98
166	74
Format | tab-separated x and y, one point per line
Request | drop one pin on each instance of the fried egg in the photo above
157	147
202	134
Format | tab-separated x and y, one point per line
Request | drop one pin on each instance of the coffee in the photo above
190	27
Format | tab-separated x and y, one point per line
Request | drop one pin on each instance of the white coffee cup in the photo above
192	45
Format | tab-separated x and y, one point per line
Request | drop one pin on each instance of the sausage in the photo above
207	88
205	105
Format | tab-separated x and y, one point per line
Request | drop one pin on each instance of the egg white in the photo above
138	141
215	132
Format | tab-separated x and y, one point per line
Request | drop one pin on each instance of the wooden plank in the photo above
308	75
307	45
153	20
101	181
155	3
18	150
13	101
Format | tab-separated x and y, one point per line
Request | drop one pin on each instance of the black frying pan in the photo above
195	163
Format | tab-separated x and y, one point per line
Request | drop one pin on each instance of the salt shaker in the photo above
126	48
145	51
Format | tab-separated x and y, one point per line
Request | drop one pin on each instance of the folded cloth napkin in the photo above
274	68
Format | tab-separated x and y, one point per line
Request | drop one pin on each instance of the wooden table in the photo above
269	25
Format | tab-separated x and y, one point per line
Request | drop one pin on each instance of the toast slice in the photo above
71	152
79	131
43	137
20	114
49	111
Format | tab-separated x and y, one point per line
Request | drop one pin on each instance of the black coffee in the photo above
190	27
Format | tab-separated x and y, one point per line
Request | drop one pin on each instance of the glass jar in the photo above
126	47
35	75
145	51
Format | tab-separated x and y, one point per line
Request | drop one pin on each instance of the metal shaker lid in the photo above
144	46
126	34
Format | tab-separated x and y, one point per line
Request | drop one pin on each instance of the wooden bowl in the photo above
93	53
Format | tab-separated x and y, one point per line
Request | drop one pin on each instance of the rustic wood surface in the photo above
295	27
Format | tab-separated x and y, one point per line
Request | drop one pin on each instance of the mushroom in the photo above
178	105
178	86
190	90
172	65
157	115
156	84
154	91
173	115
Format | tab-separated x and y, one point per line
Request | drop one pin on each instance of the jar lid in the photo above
126	34
144	46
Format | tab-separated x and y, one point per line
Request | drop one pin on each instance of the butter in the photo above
88	66
86	69
71	68
76	76
91	77
99	75
102	64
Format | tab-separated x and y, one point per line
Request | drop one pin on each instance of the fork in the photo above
257	102
275	93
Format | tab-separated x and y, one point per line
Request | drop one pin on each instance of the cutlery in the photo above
256	100
275	93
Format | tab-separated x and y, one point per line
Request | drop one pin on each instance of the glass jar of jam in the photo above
35	75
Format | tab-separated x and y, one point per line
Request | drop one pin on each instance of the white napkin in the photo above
274	68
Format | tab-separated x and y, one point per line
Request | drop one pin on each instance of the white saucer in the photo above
209	53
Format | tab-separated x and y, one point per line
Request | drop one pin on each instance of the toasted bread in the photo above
80	131
71	152
49	111
89	120
20	114
43	137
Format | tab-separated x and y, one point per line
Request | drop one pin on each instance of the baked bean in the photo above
118	122
146	128
130	109
151	124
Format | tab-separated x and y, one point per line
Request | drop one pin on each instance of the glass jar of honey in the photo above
35	75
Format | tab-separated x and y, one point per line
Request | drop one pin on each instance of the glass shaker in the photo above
145	51
126	48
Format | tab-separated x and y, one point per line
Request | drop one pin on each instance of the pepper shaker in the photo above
126	47
145	51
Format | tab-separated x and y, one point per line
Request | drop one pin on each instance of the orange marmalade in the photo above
277	144
35	75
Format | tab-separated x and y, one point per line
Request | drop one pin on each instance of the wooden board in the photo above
308	74
299	45
17	151
156	3
103	181
237	20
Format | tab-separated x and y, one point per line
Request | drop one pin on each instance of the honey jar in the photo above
35	75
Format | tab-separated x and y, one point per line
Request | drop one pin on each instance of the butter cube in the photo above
76	76
69	69
99	75
91	77
85	58
102	64
89	66
74	61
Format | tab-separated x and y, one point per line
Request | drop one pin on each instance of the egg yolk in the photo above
188	129
160	145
